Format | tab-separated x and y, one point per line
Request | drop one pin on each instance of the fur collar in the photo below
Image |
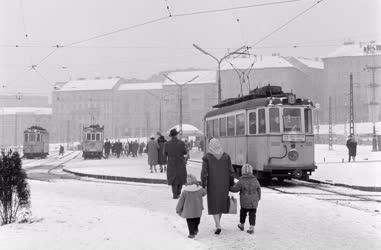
192	188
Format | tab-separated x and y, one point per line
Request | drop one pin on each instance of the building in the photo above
298	75
198	97
357	59
14	120
19	99
80	103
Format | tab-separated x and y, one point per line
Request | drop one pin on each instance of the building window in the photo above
252	123
240	124
231	125
261	121
223	126
274	120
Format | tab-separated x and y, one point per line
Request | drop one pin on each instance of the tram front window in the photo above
88	136
209	128
26	137
274	120
308	120
98	137
292	120
32	137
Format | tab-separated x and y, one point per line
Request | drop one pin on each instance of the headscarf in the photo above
215	148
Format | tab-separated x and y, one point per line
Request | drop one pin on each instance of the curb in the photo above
117	178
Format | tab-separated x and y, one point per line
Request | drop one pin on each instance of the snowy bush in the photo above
14	189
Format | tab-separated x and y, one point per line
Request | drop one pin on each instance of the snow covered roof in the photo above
204	77
311	63
31	110
355	49
141	86
260	63
90	84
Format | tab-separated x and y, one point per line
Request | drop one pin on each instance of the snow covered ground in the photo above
71	214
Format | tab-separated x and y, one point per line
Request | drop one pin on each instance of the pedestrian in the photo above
175	150
249	196
118	148
190	204
127	148
107	147
217	176
62	150
162	160
141	148
152	151
352	148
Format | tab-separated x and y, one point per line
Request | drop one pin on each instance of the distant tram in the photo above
92	144
269	129
36	143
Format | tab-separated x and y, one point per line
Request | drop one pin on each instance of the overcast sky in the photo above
167	44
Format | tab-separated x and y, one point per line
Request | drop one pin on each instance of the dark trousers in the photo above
193	225
176	190
351	156
252	214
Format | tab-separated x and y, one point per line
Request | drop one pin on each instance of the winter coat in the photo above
152	151
175	150
352	147
162	160
190	202
249	191
217	176
107	147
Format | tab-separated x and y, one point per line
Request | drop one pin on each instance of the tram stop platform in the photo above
332	168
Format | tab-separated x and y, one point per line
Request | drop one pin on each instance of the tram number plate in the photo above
294	138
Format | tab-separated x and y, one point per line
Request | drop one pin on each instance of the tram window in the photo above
93	137
38	137
231	125
98	137
292	120
240	124
32	137
308	120
88	136
26	137
274	120
252	123
223	126
215	128
261	121
209	128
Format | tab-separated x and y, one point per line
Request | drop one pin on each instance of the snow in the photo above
311	63
141	86
90	84
260	63
23	110
204	77
355	49
92	215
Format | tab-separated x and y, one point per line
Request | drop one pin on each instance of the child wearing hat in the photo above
250	194
190	204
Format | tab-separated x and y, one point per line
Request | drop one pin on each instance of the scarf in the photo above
215	148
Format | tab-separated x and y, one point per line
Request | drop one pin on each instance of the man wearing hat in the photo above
175	150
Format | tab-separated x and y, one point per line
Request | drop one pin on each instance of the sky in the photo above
166	44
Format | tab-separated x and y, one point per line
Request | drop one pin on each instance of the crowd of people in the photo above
117	148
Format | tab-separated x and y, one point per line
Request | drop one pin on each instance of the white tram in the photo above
92	144
36	143
269	129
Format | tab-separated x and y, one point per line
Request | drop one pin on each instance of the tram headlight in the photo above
293	155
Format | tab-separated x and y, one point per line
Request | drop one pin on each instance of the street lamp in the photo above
180	98
219	61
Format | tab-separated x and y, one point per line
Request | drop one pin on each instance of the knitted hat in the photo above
247	169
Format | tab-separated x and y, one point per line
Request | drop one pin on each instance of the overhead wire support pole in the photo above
180	85
330	136
219	61
351	107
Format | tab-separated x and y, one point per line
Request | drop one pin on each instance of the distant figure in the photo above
162	160
201	145
352	148
62	150
107	147
152	151
141	148
127	148
250	194
175	151
118	148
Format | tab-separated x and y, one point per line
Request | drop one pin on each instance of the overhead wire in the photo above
25	29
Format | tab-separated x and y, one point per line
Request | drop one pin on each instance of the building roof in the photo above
141	86
25	110
355	49
204	77
90	84
259	63
311	63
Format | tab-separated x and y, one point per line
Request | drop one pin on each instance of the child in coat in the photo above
250	194
190	204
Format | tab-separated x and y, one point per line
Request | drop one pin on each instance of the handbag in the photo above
232	205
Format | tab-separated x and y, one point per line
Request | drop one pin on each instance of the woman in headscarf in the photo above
217	175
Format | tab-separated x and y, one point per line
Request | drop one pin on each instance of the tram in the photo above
36	143
269	129
92	144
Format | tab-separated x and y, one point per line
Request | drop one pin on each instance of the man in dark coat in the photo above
162	160
352	148
107	147
175	151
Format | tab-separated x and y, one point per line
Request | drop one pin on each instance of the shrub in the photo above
14	189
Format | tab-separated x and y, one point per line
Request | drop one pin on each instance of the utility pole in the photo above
330	139
351	108
181	85
219	61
